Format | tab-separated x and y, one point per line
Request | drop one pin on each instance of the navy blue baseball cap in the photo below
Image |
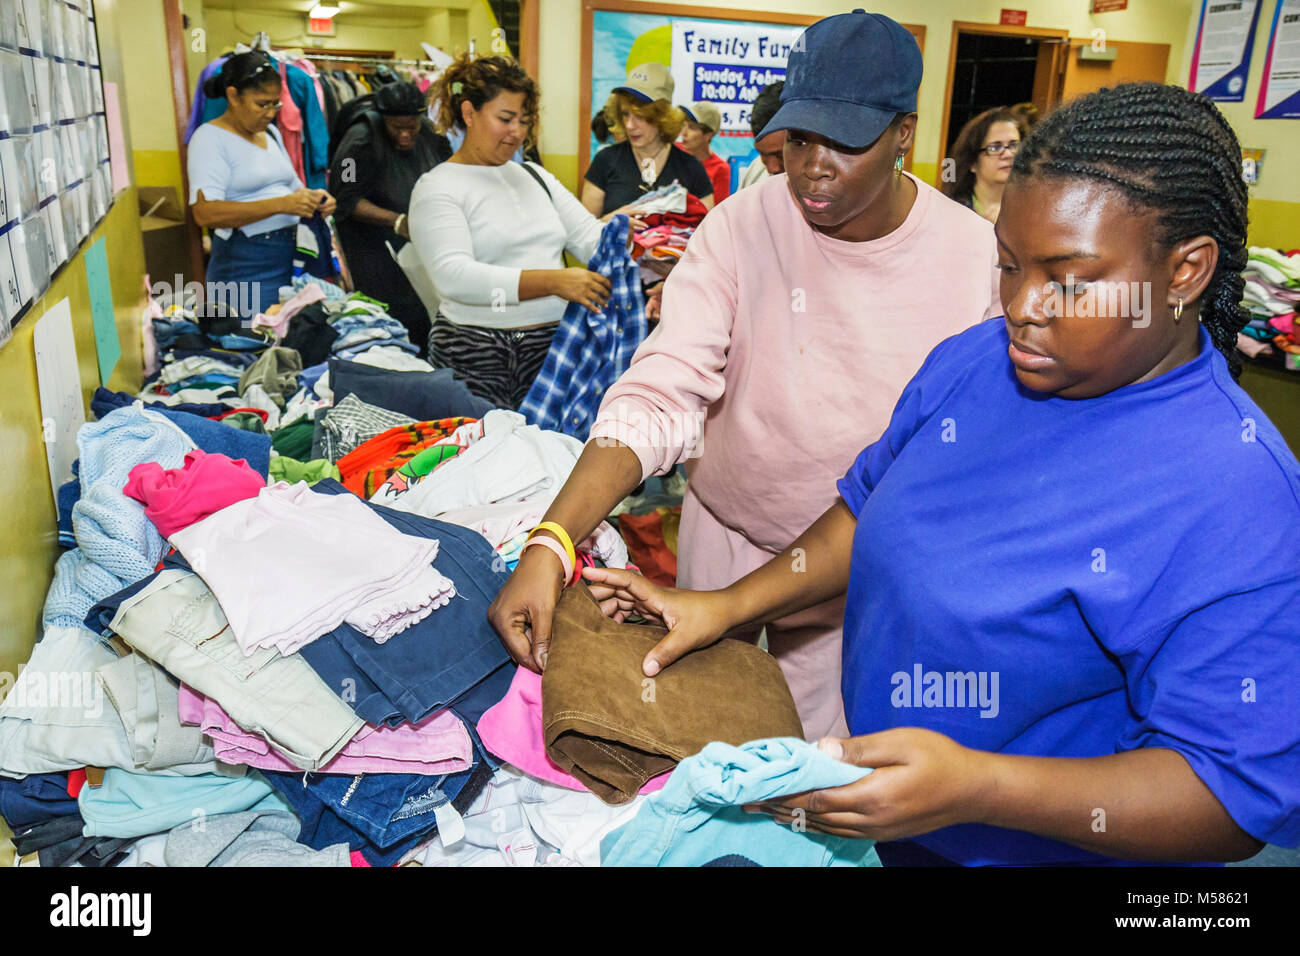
848	76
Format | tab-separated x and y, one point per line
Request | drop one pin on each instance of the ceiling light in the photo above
323	11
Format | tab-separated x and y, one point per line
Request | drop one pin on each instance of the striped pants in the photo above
496	364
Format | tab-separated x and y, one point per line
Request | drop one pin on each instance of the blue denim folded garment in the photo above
425	396
69	494
384	815
438	660
35	799
239	359
452	657
105	401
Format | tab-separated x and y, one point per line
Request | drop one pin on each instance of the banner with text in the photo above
1225	37
728	64
1279	90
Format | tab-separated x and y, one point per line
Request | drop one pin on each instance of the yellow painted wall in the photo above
28	533
146	94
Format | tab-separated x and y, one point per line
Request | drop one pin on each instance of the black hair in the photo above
400	99
1170	151
600	127
243	71
765	107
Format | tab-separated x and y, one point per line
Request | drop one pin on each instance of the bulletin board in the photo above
55	178
740	51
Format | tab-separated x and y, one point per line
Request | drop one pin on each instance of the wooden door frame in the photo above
181	106
529	30
589	7
988	29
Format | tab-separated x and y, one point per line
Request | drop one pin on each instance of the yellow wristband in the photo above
563	535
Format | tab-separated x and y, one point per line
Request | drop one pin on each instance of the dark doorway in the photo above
990	71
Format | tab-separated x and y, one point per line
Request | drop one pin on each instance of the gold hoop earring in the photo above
1178	311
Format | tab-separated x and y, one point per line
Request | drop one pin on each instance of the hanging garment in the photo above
290	124
698	816
599	724
590	351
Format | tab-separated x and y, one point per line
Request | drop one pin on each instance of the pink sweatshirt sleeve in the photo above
995	297
658	406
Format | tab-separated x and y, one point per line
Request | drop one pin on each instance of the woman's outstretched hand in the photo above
694	619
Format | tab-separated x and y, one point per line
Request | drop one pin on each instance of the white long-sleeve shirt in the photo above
477	228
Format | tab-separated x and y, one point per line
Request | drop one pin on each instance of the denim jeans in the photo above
439	660
384	815
266	259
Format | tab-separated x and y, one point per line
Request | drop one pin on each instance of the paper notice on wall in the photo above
59	382
1225	36
1279	90
728	65
101	308
116	143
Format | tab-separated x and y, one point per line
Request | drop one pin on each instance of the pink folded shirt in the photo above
439	744
176	498
512	729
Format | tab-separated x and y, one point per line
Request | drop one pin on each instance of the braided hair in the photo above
1170	151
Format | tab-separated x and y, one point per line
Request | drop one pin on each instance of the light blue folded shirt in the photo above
138	804
697	816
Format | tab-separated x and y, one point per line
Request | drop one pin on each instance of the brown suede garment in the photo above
613	728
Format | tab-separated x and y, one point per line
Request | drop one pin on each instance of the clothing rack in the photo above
369	61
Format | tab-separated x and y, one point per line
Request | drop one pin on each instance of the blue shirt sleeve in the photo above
1223	689
208	167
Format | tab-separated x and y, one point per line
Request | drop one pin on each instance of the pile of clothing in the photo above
1272	293
267	641
671	215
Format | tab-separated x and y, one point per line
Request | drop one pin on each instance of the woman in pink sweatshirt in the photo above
798	312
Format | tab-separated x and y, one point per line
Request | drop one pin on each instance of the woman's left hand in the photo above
921	781
327	204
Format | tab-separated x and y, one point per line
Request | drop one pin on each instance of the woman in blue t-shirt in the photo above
1067	639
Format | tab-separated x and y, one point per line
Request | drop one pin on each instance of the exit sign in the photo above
1108	6
1014	18
320	26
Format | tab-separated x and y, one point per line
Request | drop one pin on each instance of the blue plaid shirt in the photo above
589	351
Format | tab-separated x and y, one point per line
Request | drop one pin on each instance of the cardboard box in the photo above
162	226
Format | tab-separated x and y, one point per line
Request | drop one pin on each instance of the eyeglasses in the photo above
269	107
994	149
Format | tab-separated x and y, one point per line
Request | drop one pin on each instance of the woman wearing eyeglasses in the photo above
976	172
243	186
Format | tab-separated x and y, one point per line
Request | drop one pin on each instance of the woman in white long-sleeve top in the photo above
492	233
